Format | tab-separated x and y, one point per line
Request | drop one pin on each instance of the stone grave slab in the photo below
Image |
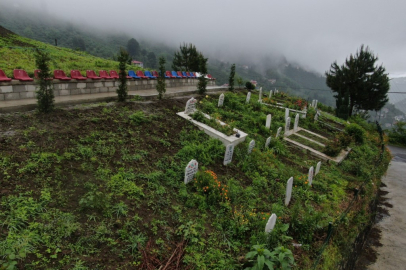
190	106
289	186
296	125
268	121
317	168
278	132
221	101
286	113
310	177
251	146
287	126
268	141
247	100
228	156
191	170
271	223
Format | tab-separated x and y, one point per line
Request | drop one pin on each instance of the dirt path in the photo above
391	251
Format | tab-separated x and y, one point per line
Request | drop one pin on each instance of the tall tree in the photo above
231	78
45	93
202	84
133	48
365	83
160	86
187	58
122	89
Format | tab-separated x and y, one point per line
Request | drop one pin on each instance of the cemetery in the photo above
127	184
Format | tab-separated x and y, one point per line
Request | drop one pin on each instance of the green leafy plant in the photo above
262	258
45	93
356	132
160	86
122	90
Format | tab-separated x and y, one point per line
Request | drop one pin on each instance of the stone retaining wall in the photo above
25	90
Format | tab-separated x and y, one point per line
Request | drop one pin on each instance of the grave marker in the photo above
270	93
270	224
315	103
268	121
317	168
289	186
228	156
296	126
316	116
248	97
191	170
251	146
286	113
260	95
221	100
268	141
190	106
278	132
287	126
310	178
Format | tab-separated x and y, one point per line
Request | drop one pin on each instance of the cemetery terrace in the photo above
104	187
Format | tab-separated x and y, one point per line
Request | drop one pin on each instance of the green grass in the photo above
303	141
311	136
18	53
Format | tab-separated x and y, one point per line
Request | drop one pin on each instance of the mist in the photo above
311	33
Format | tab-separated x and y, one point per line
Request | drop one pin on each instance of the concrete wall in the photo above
15	90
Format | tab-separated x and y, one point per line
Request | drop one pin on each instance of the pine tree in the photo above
160	87
367	84
122	89
231	78
45	93
202	84
187	58
133	48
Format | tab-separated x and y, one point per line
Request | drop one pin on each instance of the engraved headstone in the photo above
278	132
221	100
317	168
248	97
288	191
260	95
228	156
190	106
270	93
286	113
316	116
268	121
310	177
296	125
270	224
287	126
268	141
315	103
191	170
251	146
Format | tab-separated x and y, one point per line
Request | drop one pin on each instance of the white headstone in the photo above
268	141
270	224
278	132
248	97
268	121
317	168
286	113
221	100
289	186
310	178
260	95
251	146
190	106
270	93
295	127
315	103
228	156
316	116
287	126
277	91
191	170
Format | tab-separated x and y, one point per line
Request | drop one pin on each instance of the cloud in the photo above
314	33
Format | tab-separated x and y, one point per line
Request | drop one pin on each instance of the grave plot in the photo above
211	126
281	101
314	143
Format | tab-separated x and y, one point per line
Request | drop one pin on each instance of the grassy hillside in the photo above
102	188
17	52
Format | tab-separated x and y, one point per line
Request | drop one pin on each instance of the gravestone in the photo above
278	132
277	91
190	106
221	100
251	146
270	224
286	113
260	95
315	103
287	126
270	93
228	156
296	126
317	168
310	178
316	116
268	141
248	97
268	121
191	170
289	186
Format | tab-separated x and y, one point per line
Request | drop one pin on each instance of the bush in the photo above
45	94
249	86
356	132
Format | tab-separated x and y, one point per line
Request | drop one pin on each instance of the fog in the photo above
313	33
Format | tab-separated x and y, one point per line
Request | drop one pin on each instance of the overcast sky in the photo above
313	33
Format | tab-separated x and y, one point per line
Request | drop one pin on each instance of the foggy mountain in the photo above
399	100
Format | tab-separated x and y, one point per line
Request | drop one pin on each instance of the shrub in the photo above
138	118
356	132
45	94
160	87
333	148
122	89
249	86
398	135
